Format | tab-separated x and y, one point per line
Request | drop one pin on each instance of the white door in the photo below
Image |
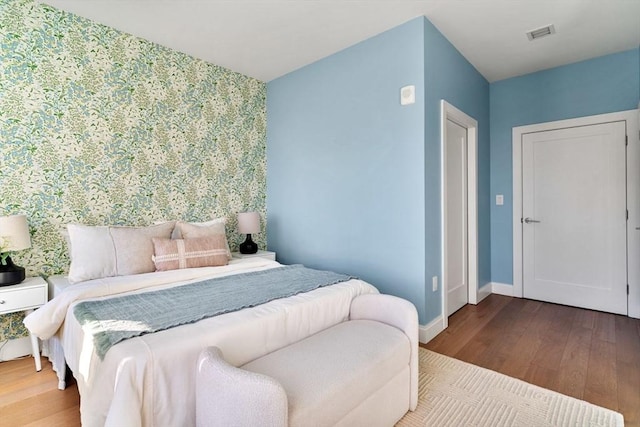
456	213
574	216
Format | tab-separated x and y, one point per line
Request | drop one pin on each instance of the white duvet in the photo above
150	380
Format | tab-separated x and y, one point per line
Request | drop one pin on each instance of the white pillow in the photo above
92	253
177	233
112	251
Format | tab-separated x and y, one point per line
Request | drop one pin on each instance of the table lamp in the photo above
14	236
248	223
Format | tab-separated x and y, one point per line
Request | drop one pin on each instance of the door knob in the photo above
529	220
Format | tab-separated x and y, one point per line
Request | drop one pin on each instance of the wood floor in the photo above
30	398
586	354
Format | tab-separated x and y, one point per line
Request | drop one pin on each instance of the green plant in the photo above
4	254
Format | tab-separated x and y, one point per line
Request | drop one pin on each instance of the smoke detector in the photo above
541	32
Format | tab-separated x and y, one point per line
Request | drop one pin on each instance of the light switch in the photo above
499	199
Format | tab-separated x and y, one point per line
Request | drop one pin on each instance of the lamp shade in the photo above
14	233
249	222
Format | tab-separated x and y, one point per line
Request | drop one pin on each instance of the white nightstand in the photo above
25	296
260	254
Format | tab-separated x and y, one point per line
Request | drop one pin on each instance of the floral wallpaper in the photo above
100	127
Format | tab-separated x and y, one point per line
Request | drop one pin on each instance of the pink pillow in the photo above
190	231
172	254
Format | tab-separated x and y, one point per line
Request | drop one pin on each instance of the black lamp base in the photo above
248	246
10	274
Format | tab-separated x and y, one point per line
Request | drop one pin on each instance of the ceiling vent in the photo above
541	32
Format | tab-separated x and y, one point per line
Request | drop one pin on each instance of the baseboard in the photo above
484	292
501	289
12	349
429	331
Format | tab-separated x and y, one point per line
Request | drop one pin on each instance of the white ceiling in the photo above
267	39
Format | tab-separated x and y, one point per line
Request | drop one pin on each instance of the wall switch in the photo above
499	199
434	283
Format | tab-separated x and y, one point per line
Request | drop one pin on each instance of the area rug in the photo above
455	393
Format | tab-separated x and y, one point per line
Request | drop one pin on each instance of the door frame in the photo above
449	112
631	119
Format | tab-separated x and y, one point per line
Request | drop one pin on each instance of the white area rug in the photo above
455	393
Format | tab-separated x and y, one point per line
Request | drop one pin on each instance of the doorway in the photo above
459	135
455	233
571	206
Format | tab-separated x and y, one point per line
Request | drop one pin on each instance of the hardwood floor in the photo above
30	398
585	354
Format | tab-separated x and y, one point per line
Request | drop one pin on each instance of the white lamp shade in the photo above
249	222
14	233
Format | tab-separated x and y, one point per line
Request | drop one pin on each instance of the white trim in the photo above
633	204
485	291
517	211
502	289
631	119
14	348
431	330
449	112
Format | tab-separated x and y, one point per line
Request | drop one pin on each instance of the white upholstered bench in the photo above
361	372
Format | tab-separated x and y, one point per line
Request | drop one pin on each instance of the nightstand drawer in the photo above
22	299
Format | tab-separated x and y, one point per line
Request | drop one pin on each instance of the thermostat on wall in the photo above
408	95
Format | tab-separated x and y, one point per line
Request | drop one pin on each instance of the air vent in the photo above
541	32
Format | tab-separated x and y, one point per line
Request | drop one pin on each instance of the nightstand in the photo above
260	254
25	296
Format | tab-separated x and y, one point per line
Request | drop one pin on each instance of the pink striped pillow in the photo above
173	254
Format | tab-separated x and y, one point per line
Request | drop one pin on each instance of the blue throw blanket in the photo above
116	319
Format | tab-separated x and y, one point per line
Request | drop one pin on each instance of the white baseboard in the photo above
484	291
501	289
12	349
429	331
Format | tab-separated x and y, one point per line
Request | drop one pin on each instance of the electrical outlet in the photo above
434	283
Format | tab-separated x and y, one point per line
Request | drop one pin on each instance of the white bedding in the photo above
149	380
52	347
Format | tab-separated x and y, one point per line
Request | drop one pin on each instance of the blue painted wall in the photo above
353	177
345	173
601	85
353	181
449	76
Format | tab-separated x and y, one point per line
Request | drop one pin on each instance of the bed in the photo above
149	380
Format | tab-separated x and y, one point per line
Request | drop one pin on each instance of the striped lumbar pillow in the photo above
172	254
